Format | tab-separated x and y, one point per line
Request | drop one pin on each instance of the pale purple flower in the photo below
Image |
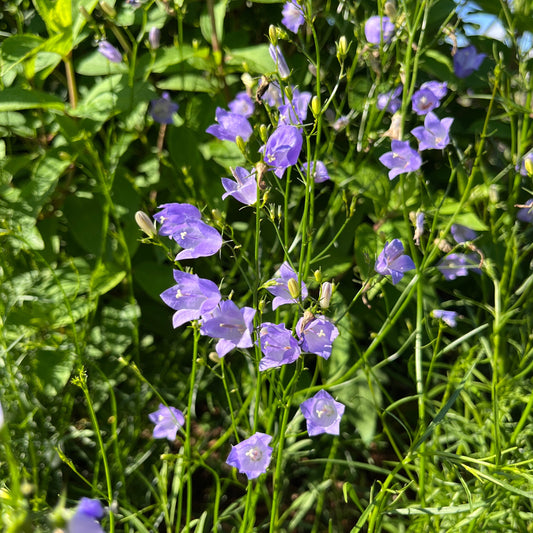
319	172
525	214
183	223
278	345
109	51
251	456
192	297
233	326
162	109
154	37
85	519
438	88
293	16
230	126
401	159
316	334
377	27
521	167
341	123
466	61
273	95
462	233
279	60
456	265
434	134
392	261
283	148
295	113
419	228
448	317
244	188
390	100
242	104
322	414
279	287
167	421
424	101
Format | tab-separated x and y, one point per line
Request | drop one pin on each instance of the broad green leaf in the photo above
255	59
189	82
16	99
53	368
205	22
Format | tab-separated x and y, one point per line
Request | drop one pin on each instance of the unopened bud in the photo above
294	288
261	305
145	223
318	275
390	9
214	357
107	9
154	36
263	133
241	145
342	48
326	290
316	106
247	80
273	34
528	163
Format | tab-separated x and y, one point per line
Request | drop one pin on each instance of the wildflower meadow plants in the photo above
266	267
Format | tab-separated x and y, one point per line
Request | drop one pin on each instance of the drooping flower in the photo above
438	88
167	421
279	60
283	149
466	61
390	100
316	334
462	233
319	172
154	37
295	112
424	101
86	517
392	261
162	109
525	214
456	265
231	325
377	27
293	16
435	134
192	297
322	414
242	104
448	317
183	223
109	51
244	188
251	456
230	126
279	287
401	159
278	345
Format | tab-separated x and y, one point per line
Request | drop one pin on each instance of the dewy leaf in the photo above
16	99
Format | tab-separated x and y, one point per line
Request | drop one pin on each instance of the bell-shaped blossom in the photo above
401	159
462	233
390	100
525	214
319	172
230	126
293	16
279	287
316	334
109	51
279	60
466	61
378	28
434	134
162	109
438	88
424	101
278	345
251	456
242	104
448	317
244	188
167	421
86	517
183	223
295	112
192	297
322	414
393	262
283	149
456	265
231	325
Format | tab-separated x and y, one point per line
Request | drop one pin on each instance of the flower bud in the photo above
318	275
294	288
315	106
263	133
154	36
273	34
241	145
390	9
145	223
528	163
326	290
342	48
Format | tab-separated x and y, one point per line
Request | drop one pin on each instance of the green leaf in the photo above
189	82
16	99
253	58
205	22
53	368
